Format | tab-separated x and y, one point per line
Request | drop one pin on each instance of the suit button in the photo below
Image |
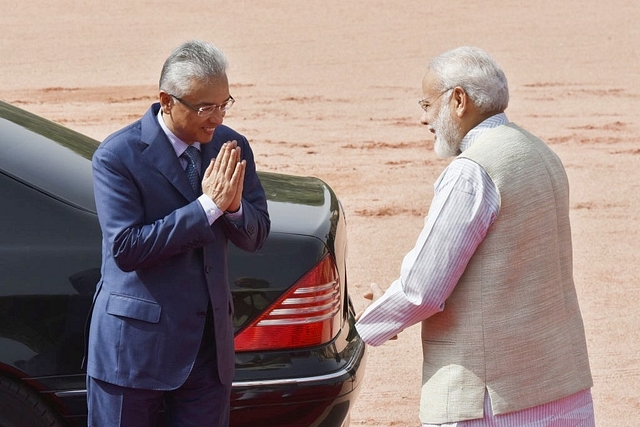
202	314
207	269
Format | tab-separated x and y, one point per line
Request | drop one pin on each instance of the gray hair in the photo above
477	73
192	61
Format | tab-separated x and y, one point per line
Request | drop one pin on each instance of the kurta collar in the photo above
490	123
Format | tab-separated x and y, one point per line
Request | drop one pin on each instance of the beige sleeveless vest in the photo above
512	325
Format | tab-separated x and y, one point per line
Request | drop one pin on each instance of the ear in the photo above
460	101
166	102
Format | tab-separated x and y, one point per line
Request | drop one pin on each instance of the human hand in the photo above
237	200
223	179
372	295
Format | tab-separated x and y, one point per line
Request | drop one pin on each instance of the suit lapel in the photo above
160	153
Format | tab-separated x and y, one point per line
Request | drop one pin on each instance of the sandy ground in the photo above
330	88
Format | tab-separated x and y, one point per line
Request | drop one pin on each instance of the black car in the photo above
299	360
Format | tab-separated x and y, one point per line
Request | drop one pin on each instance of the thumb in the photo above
376	291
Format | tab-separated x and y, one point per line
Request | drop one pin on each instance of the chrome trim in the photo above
309	300
296	311
71	393
316	288
301	321
342	371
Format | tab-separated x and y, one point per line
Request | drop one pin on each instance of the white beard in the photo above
448	133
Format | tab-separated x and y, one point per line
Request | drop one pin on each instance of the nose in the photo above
423	119
217	117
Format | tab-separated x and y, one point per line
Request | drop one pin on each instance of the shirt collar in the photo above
490	123
179	146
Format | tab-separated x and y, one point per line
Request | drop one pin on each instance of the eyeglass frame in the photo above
208	109
424	104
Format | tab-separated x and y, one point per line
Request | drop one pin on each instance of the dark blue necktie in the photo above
192	155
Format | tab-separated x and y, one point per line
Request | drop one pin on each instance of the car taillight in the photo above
307	315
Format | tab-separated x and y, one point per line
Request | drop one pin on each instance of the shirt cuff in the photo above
235	217
210	209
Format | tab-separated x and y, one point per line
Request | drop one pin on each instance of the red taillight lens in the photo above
307	315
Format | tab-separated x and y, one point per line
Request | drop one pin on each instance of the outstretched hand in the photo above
372	295
223	179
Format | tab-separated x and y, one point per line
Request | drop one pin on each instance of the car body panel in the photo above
50	263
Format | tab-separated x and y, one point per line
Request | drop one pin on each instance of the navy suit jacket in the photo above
162	261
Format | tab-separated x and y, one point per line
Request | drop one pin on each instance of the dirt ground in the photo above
329	89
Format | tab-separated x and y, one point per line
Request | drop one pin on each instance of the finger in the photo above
234	157
241	168
220	159
226	153
237	174
230	163
236	186
209	169
376	290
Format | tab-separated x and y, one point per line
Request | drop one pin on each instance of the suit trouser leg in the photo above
202	401
114	406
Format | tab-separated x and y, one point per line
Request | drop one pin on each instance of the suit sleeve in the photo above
133	240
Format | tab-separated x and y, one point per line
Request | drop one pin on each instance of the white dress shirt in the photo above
464	205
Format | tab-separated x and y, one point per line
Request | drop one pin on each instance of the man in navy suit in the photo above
161	331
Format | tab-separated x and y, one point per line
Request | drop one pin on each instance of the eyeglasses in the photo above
209	109
425	104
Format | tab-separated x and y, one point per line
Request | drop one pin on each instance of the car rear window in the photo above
47	156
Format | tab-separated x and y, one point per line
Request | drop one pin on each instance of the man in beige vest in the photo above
491	275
